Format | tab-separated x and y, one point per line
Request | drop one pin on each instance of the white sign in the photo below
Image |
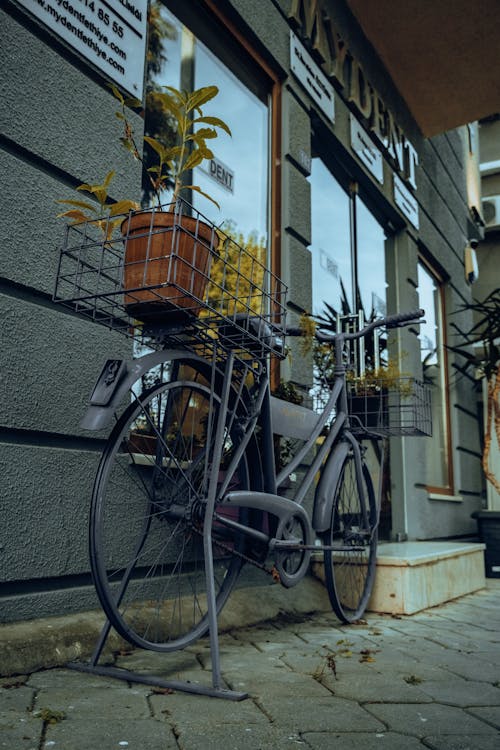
366	150
222	175
111	34
311	77
406	201
328	264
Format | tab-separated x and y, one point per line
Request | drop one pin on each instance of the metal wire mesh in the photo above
401	408
169	272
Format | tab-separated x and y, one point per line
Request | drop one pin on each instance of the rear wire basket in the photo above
215	293
402	408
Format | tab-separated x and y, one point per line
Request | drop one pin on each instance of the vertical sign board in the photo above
311	77
406	201
110	34
366	150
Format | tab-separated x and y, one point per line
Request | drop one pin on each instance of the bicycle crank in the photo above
293	545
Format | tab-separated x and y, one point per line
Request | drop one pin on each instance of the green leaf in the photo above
133	103
201	96
207	153
172	153
108	178
179	96
77	216
172	105
123	207
199	190
155	145
215	121
193	160
116	93
79	204
201	134
128	145
98	189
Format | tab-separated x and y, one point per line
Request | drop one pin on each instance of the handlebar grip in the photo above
393	321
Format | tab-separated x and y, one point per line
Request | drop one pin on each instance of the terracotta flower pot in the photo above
167	259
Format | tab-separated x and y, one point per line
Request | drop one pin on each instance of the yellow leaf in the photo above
123	207
75	215
78	204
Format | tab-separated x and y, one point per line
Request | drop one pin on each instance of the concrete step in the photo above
412	576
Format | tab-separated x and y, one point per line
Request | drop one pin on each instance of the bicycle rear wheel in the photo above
147	514
350	569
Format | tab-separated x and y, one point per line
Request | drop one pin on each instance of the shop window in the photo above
349	288
238	177
439	470
348	257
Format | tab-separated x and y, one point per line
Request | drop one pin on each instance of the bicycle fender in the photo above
323	500
279	506
117	377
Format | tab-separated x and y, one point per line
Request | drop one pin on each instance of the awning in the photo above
443	56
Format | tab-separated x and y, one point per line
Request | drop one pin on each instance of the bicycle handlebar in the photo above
396	320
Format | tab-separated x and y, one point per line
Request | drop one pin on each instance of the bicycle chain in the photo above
261	566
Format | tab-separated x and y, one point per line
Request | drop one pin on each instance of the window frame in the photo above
440	280
208	21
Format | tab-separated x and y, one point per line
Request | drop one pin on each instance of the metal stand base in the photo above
186	687
216	690
92	667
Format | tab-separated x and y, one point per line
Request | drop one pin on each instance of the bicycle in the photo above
187	490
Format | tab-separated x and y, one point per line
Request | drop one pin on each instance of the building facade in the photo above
326	168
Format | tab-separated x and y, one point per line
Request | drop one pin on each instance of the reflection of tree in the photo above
331	320
237	277
157	122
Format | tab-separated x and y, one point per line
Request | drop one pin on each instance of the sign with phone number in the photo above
111	34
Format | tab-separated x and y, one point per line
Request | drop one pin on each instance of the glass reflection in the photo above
371	263
330	242
432	354
239	179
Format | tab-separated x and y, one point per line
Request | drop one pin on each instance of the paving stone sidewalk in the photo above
392	683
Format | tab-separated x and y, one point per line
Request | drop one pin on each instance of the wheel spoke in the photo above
146	519
350	568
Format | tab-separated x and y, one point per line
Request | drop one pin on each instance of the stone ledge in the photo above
31	645
419	553
412	576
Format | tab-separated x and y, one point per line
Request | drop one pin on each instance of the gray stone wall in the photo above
57	129
445	226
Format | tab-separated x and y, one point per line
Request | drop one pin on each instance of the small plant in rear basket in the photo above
374	380
148	234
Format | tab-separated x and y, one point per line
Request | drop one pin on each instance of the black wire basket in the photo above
168	272
402	407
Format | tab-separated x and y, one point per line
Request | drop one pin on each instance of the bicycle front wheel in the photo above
350	566
147	515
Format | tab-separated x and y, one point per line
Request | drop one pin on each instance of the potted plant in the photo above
369	391
479	348
167	250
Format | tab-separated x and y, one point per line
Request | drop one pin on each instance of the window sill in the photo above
446	498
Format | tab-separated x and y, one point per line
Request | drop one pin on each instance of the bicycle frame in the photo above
330	454
115	381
